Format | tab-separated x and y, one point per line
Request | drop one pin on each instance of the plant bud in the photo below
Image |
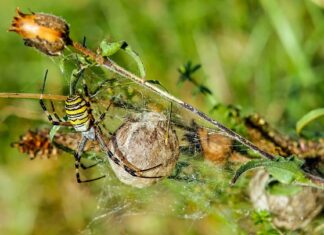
47	33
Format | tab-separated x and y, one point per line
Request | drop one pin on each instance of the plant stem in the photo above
32	96
115	68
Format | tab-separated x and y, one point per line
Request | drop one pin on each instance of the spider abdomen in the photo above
78	113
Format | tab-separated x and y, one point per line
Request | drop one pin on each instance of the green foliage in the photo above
53	131
277	188
109	48
157	82
186	72
285	170
258	68
308	118
231	116
262	219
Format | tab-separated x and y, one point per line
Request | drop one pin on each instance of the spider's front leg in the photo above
89	96
59	122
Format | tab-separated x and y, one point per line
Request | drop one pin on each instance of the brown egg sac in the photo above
47	33
145	142
216	147
288	211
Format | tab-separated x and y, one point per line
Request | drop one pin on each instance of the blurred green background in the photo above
265	56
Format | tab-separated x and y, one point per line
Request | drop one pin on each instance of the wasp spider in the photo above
79	116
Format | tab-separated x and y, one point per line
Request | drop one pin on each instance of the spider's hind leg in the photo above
78	163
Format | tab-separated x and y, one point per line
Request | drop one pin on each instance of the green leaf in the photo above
195	68
156	82
283	189
285	170
270	231
109	48
186	71
204	90
309	117
282	175
53	131
261	217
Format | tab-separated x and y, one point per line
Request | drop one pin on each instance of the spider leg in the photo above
166	140
85	89
87	167
101	85
129	167
54	112
77	73
71	151
103	115
122	161
139	173
88	98
49	116
78	163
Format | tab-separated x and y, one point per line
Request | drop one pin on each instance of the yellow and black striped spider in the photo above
79	116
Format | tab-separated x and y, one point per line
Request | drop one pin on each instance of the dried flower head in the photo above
143	143
36	144
47	33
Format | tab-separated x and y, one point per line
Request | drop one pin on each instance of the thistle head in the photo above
47	33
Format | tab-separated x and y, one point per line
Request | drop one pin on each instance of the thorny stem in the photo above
115	68
32	96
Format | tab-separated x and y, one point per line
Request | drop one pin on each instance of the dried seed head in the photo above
36	144
47	33
143	143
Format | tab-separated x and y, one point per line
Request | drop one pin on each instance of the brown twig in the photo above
31	96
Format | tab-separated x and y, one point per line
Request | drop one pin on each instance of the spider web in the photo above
196	189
